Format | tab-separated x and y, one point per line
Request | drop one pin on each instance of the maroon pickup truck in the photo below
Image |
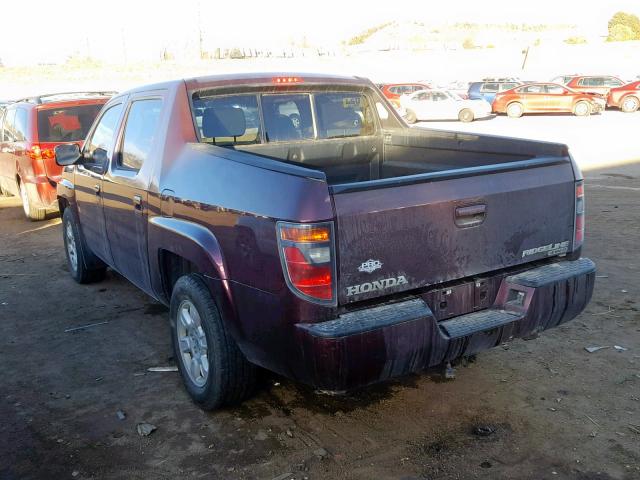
296	223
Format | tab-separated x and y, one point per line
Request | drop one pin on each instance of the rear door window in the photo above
69	124
139	133
343	114
287	117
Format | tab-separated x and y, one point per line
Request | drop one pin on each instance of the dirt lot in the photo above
558	411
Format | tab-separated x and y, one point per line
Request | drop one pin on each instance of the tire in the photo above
466	115
32	213
84	266
515	110
630	104
410	117
222	376
582	109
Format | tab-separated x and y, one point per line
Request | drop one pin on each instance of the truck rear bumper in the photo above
385	341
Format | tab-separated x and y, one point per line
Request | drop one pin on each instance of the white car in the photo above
442	105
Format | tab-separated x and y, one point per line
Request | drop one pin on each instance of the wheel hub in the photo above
71	247
192	342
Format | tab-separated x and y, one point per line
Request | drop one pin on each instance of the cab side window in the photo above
99	147
139	133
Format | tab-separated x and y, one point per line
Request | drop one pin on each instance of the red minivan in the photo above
29	131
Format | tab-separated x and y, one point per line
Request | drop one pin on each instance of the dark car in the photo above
626	97
487	90
339	249
29	131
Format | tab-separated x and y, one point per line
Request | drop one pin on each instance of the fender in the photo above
199	245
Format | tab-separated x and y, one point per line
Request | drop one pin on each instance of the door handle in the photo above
96	188
470	216
137	203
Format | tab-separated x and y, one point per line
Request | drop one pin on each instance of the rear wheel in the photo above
582	109
34	214
466	115
630	104
213	369
515	110
410	116
84	266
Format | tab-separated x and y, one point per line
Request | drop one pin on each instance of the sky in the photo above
125	30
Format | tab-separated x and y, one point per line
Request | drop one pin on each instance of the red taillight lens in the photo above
578	237
312	280
307	257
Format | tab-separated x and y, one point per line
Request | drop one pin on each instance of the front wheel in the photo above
213	369
34	214
84	266
515	110
582	109
466	115
630	104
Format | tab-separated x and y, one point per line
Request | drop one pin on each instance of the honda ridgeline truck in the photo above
296	223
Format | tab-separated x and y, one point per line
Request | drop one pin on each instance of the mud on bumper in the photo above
386	341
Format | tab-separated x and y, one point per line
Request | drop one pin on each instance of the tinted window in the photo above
489	87
343	115
20	125
66	124
227	120
103	135
555	89
532	89
507	86
287	117
140	131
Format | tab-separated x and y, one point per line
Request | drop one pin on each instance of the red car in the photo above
626	97
393	91
30	129
594	83
546	98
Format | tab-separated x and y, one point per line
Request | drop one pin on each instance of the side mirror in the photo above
67	154
99	157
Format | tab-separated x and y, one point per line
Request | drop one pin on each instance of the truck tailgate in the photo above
411	235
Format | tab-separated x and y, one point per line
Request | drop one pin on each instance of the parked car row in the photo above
578	94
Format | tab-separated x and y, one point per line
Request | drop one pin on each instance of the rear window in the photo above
229	120
343	115
68	124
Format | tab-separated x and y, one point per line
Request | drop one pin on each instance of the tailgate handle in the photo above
470	216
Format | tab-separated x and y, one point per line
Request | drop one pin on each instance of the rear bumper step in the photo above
381	342
475	322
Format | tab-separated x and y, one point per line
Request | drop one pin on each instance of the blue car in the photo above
487	90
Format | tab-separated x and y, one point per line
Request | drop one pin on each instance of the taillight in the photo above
307	255
578	237
38	153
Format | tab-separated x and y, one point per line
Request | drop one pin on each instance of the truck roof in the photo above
255	79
